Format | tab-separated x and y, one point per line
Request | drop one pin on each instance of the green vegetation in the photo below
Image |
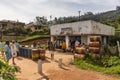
107	64
44	31
15	30
7	72
108	16
34	37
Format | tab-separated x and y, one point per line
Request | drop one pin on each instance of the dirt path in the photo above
51	70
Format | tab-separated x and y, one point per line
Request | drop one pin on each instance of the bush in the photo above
110	61
107	64
40	32
7	72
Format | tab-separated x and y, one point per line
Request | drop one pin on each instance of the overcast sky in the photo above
27	10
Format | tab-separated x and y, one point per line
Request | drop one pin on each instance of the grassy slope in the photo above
34	37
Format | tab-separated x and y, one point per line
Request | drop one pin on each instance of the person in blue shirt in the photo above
8	51
2	48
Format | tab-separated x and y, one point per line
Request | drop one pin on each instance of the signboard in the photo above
67	30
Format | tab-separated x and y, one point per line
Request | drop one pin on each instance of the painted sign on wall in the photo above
67	30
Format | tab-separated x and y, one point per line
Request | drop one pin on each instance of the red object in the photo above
94	44
94	49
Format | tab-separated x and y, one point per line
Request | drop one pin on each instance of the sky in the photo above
27	10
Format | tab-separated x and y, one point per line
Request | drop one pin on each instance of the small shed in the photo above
81	31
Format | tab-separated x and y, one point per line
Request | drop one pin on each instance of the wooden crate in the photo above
81	56
94	44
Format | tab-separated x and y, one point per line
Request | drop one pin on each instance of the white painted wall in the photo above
84	27
98	28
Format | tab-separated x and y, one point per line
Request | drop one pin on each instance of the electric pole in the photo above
79	15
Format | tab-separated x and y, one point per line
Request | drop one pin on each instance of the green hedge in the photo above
108	64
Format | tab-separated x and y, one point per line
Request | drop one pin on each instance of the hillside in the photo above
105	16
109	16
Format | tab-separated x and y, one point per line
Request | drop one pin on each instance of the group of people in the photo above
72	46
9	50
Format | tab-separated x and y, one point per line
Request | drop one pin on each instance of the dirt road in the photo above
51	70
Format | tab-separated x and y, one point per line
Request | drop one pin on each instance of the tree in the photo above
88	13
118	19
40	21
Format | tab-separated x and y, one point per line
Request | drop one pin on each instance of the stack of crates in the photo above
95	45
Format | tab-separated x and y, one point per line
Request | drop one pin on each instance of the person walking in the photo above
8	51
51	49
13	51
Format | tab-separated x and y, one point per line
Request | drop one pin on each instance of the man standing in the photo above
8	51
51	49
13	51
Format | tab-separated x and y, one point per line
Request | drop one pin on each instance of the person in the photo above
51	49
64	46
73	46
69	46
34	44
13	51
2	48
17	47
77	43
7	51
38	45
83	45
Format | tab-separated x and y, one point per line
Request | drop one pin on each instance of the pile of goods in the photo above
94	45
38	54
81	51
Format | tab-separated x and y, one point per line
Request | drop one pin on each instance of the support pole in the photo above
118	45
67	41
40	66
60	62
70	61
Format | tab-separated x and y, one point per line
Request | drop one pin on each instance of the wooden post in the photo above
40	66
60	62
70	61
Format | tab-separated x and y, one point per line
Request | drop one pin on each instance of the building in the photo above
6	23
32	26
81	31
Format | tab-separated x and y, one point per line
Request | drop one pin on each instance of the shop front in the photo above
81	32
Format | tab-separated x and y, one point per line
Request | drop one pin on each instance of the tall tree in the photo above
41	21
